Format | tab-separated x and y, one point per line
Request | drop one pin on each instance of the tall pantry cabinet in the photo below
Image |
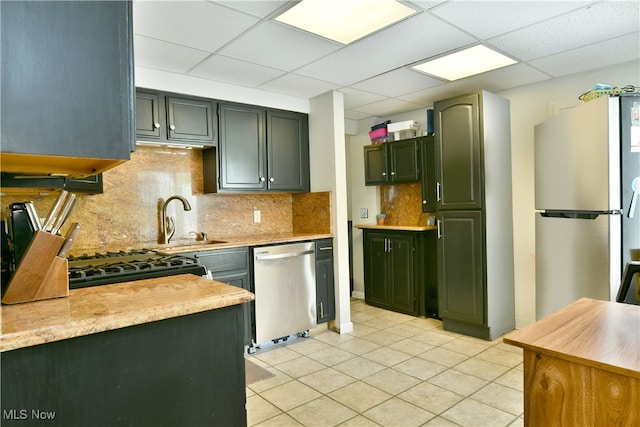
474	215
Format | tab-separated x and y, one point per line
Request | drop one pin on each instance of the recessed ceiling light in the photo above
465	63
345	21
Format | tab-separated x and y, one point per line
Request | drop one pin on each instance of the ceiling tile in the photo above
279	46
229	70
197	24
259	8
301	86
161	55
411	40
354	115
479	17
355	98
601	21
621	49
426	4
388	107
398	82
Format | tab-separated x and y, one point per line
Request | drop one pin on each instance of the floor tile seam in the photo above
444	410
297	406
499	409
359	412
501	385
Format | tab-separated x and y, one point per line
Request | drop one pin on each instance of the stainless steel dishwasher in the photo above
285	290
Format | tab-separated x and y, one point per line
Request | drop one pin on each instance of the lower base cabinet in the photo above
233	267
399	271
183	371
325	288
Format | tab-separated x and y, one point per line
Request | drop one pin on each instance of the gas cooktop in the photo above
123	266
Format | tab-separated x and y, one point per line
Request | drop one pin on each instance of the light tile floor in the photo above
392	370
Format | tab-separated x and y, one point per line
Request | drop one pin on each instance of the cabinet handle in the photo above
271	179
438	191
156	125
390	245
262	179
321	310
393	173
439	232
424	202
384	174
326	248
172	127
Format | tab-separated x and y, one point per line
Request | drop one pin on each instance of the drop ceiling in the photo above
237	42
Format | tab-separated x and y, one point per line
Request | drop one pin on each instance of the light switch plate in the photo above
364	213
257	217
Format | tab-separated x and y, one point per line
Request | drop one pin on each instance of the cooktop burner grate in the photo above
114	267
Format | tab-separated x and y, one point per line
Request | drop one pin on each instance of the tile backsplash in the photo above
127	213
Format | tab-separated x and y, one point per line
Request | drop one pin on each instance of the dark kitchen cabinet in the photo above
67	96
325	288
428	173
231	266
166	118
392	162
390	270
261	150
147	115
474	215
458	153
461	268
182	371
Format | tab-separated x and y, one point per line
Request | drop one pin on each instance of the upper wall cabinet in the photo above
67	96
165	118
260	150
391	163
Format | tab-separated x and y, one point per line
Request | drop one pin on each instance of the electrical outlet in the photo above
364	213
257	217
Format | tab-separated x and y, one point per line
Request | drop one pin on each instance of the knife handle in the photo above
69	239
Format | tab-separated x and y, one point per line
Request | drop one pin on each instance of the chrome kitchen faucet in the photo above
169	223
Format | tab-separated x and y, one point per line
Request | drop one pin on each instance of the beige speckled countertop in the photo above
236	241
397	227
101	308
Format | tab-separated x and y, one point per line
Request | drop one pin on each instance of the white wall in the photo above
530	105
328	171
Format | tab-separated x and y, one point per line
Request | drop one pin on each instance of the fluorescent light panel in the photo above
345	21
465	63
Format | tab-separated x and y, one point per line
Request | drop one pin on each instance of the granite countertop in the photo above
101	308
397	227
235	241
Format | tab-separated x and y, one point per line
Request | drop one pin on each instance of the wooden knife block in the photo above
41	273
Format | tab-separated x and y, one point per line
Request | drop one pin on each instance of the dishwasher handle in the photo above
285	255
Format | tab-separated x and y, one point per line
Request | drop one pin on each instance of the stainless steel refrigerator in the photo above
587	181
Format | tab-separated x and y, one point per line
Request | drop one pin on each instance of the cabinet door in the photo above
402	280
242	148
375	164
148	123
287	151
404	161
190	120
461	273
458	153
376	268
325	292
428	173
